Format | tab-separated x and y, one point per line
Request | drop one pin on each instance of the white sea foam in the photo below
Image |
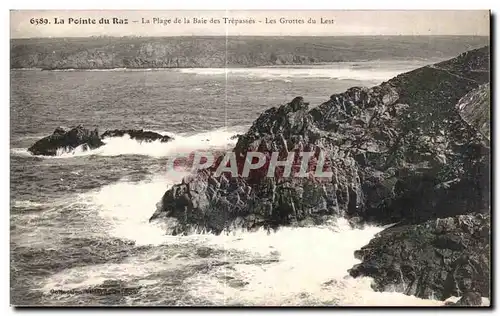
127	207
26	69
82	278
106	70
181	144
370	71
23	152
26	204
312	270
312	266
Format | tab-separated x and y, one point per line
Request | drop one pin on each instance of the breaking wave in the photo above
292	266
26	204
366	71
108	69
181	144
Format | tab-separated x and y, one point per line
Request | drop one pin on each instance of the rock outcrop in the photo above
474	108
66	140
412	151
439	258
447	256
139	135
399	152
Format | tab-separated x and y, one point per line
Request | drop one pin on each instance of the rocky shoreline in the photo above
414	151
439	258
401	152
225	51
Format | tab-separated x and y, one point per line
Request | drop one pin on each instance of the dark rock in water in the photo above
439	258
140	135
469	299
67	139
399	152
204	252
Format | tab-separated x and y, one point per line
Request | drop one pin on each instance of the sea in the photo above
79	222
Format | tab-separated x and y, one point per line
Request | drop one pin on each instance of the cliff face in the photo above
439	258
399	152
411	151
168	52
447	256
474	108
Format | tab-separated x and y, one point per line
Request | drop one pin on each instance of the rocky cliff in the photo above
444	256
412	151
474	108
399	151
173	52
439	258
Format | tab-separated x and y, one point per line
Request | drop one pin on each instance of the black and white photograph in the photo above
250	158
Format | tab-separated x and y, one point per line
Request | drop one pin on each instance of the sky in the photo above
370	22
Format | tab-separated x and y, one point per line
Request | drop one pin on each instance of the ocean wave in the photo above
363	70
26	204
27	69
107	69
22	152
312	270
127	206
33	136
292	266
342	71
181	144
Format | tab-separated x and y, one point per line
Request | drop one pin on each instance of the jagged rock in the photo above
298	104
436	259
474	108
139	135
67	140
399	152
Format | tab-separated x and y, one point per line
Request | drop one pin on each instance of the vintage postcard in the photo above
250	158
